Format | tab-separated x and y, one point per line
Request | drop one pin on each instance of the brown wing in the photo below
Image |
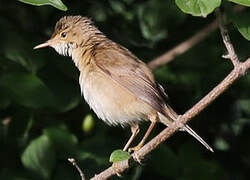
130	73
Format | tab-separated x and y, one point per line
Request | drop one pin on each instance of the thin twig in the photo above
239	70
73	162
226	39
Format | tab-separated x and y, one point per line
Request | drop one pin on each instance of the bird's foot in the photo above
116	169
136	148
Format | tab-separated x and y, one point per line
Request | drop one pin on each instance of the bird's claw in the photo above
116	169
136	148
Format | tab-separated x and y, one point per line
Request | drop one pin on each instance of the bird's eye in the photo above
63	34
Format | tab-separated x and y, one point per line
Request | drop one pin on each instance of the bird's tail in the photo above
171	115
196	136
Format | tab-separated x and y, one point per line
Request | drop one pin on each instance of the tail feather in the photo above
196	136
169	115
173	116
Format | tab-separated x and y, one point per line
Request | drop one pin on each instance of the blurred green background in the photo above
44	120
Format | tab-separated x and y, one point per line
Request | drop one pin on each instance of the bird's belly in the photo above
111	102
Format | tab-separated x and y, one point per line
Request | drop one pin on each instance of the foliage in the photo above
242	2
119	155
198	7
56	3
242	23
44	119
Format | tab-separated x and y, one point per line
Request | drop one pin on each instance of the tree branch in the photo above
188	44
239	70
183	47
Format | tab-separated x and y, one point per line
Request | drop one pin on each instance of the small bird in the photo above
119	87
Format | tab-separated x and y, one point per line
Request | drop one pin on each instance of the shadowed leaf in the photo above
27	89
39	157
242	23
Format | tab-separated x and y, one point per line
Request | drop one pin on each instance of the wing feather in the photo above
130	73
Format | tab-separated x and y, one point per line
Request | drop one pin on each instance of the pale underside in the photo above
112	103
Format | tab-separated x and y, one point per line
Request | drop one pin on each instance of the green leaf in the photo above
119	155
117	6
61	138
88	123
244	105
56	3
198	7
39	157
239	125
152	27
241	2
18	49
83	155
27	89
243	24
66	91
28	127
221	144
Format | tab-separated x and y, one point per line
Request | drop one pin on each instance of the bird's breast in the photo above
111	102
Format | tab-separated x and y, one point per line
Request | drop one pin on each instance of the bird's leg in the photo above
153	120
135	130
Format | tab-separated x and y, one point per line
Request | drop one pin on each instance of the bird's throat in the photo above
82	57
64	49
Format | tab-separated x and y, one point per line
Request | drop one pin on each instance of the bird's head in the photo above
70	33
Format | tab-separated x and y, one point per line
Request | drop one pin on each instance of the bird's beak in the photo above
43	45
